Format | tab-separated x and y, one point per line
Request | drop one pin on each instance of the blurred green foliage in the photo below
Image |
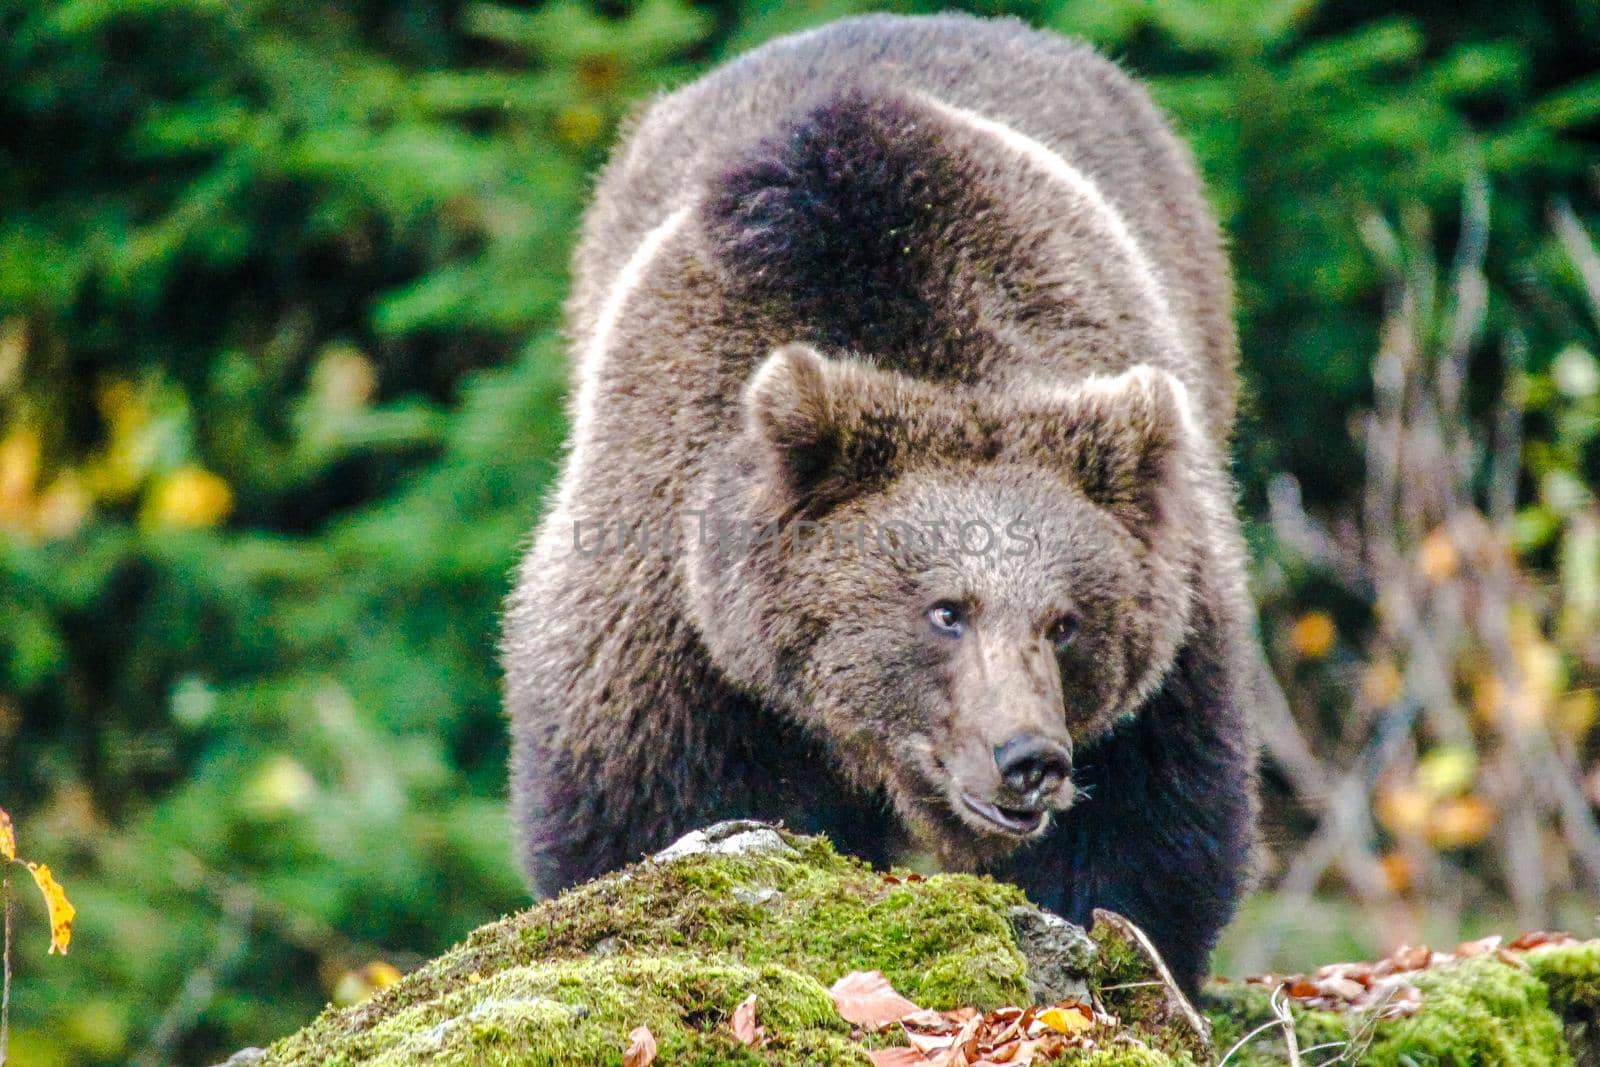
280	387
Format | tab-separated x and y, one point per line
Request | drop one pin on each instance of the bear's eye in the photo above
1064	630
947	619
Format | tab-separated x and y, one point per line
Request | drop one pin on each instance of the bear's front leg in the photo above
1164	835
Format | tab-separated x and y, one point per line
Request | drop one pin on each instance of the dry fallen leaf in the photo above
1481	947
866	999
641	1048
909	878
1017	1053
1301	989
60	908
1068	1018
1004	1037
1337	986
744	1022
931	1044
1411	957
1512	959
1539	939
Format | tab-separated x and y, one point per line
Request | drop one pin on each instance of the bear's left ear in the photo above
1131	443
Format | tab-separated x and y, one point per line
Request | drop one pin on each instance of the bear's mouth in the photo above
1020	822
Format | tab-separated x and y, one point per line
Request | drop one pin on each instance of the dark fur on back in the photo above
842	216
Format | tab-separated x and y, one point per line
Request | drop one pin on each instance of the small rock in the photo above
495	1008
245	1057
1059	955
756	897
434	1036
735	837
691	844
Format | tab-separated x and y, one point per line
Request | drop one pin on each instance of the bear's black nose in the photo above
1032	764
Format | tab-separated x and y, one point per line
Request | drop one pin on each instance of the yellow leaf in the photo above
19	473
1488	697
1437	558
1312	634
381	974
1402	808
1399	872
282	786
131	448
56	902
189	498
1576	712
1461	822
1066	1020
1448	770
1381	684
356	986
8	837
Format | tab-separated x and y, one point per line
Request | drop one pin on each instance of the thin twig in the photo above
1246	1039
1324	1046
1291	1040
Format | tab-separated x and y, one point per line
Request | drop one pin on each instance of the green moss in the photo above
675	946
580	1011
1571	974
943	942
1477	1013
1121	1056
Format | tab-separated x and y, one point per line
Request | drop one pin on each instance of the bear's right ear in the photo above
791	410
1130	443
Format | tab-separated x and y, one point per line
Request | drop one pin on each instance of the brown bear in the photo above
897	504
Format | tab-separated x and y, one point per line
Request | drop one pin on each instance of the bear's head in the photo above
954	586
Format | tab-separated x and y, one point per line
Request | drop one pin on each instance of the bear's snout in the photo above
1032	766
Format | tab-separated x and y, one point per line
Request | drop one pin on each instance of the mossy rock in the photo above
677	942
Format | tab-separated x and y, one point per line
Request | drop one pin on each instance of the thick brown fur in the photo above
840	293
